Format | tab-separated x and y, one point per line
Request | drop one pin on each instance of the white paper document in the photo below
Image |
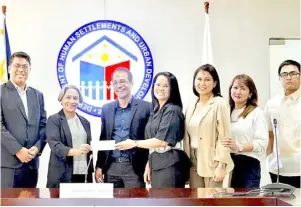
103	145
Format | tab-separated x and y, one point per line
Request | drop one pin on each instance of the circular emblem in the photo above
91	54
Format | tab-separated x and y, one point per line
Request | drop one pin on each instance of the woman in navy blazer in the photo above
69	136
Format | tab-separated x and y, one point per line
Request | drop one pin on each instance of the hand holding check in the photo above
125	145
111	145
85	148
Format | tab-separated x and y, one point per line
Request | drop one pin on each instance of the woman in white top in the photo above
249	133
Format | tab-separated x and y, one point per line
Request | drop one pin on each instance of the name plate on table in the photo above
86	190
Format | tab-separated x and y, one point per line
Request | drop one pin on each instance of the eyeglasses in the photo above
292	74
121	82
18	66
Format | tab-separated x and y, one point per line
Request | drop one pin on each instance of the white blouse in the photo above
79	136
193	126
251	130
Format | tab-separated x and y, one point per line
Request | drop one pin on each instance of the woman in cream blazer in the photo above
207	122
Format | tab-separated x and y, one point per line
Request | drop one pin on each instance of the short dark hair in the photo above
174	91
125	70
252	102
288	62
210	69
20	54
64	90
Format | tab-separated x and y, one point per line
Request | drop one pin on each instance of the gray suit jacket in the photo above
17	130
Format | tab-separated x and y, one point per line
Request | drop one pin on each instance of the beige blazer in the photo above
214	125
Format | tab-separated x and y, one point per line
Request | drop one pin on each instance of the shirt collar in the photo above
129	105
293	96
18	87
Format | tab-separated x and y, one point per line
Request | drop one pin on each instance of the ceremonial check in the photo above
103	145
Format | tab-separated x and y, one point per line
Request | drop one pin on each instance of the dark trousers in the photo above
81	178
23	177
171	177
122	175
246	172
291	180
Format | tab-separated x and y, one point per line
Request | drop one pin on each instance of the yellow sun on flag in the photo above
2	31
2	71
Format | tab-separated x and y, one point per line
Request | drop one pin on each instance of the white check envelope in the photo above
103	145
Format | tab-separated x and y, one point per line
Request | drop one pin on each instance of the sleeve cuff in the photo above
222	156
16	149
64	152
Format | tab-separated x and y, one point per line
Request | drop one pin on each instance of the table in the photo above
144	197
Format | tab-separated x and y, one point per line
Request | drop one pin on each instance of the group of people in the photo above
219	138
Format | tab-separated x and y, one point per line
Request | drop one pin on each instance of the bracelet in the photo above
240	148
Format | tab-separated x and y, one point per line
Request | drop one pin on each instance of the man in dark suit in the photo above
23	125
122	119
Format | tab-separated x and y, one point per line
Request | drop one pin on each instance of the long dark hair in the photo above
216	91
252	102
174	94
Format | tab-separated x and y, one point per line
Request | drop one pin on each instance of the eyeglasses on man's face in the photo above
121	82
292	74
18	66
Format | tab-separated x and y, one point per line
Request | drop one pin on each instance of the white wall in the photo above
173	30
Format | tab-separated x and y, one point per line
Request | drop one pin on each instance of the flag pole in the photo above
207	46
206	4
4	10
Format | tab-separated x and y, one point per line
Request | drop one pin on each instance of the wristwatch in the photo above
240	148
221	165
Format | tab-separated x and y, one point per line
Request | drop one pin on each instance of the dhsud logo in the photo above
93	52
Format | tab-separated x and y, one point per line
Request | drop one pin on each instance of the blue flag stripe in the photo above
7	46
